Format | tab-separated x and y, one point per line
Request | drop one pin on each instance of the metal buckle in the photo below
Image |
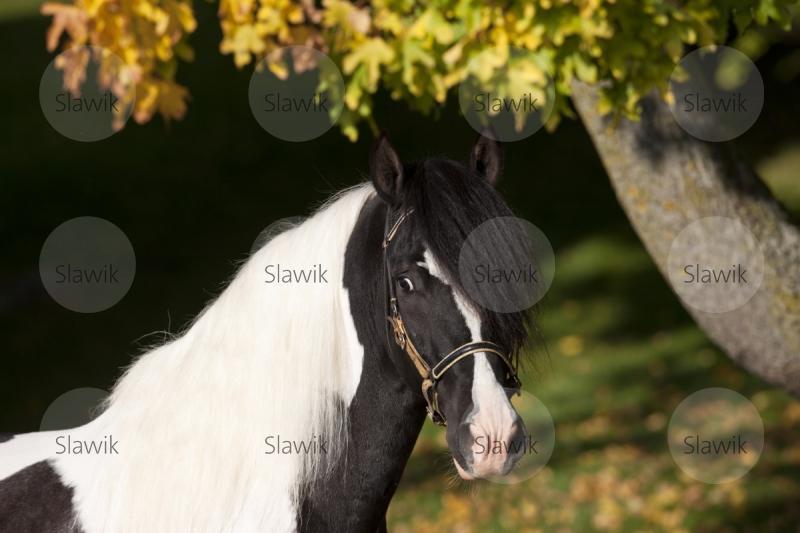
399	334
429	393
437	418
397	327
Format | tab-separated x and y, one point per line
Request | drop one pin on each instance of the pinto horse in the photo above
293	403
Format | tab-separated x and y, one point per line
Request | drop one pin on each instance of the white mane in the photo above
191	416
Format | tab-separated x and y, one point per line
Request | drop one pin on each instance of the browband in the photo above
389	235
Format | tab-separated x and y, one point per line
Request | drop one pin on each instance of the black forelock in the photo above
449	202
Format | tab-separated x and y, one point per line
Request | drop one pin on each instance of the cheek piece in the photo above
431	375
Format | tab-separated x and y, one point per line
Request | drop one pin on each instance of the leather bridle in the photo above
431	375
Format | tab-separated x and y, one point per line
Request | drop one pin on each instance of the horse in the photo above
293	401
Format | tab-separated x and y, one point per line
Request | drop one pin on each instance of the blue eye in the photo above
405	283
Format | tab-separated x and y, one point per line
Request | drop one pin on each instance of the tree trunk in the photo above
665	179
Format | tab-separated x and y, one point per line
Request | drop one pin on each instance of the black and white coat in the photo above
304	361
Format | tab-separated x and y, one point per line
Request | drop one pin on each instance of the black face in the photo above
439	319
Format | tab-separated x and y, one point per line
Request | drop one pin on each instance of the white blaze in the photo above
492	417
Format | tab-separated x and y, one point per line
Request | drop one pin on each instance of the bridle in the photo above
431	375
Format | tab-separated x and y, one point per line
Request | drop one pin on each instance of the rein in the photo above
431	375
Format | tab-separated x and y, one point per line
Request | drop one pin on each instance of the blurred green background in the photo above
192	196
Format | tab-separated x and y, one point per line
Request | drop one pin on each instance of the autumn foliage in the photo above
416	50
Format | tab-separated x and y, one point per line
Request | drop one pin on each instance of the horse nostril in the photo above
517	443
463	443
517	446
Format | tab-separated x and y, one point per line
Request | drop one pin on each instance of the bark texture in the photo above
665	179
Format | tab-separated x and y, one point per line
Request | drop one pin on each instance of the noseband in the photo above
431	375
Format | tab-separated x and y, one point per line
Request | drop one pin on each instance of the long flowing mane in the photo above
191	415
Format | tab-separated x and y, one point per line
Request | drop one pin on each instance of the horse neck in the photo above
385	415
384	424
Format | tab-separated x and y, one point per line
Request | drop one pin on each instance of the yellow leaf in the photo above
372	53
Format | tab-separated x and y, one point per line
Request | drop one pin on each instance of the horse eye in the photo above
405	284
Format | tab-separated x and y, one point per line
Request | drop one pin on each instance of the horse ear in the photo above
386	170
486	159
